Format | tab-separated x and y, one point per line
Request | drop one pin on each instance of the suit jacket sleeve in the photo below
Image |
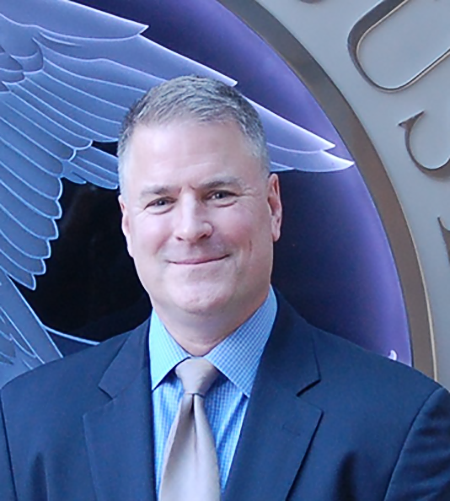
423	467
7	491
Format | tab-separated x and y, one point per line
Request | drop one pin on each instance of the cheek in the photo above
146	236
235	226
243	233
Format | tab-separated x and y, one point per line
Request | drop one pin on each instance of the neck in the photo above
199	334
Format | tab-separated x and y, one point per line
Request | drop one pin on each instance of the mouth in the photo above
193	261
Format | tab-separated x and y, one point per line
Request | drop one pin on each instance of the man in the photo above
295	413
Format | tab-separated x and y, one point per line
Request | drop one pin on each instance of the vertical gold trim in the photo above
357	141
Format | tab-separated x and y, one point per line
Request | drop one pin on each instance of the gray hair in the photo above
200	100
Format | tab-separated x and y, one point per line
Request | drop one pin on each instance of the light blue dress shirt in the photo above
237	358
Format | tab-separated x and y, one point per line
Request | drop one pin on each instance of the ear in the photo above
125	223
276	210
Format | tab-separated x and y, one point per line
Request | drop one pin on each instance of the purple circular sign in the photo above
333	262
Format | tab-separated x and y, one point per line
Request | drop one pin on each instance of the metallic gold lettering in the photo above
446	234
409	125
366	24
380	13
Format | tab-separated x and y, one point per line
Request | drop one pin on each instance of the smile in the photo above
198	260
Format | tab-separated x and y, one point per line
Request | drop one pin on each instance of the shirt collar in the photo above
237	356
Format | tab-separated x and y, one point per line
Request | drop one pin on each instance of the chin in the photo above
202	302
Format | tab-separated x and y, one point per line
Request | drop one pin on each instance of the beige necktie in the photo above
190	469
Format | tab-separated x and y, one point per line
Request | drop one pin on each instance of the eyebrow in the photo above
222	181
166	189
153	190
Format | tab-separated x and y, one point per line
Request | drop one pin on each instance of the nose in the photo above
191	221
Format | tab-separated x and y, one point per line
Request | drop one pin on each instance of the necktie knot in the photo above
196	375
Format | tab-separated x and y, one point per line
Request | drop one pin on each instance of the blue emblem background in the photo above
333	262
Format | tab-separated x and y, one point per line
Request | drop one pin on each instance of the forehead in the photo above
188	130
180	143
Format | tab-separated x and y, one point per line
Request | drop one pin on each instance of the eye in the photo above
160	204
220	195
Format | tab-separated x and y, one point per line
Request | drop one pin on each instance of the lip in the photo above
197	260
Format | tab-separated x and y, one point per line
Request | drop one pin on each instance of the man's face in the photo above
200	217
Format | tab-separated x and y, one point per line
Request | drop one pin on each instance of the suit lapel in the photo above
279	425
119	435
277	431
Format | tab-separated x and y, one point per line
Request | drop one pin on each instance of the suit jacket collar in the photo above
279	424
119	435
277	431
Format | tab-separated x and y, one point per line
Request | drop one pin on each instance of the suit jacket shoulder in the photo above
75	376
329	420
67	428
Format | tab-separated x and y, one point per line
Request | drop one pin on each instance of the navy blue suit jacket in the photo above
327	421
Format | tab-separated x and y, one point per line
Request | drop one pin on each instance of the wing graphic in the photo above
68	74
